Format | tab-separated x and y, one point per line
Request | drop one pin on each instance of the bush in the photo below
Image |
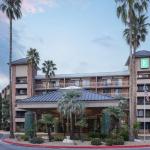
94	135
124	133
24	137
96	141
118	141
37	140
58	138
109	141
86	138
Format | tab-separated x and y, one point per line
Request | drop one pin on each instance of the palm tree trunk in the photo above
10	84
131	100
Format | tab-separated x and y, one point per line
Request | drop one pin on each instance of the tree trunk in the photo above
49	132
67	124
10	84
131	100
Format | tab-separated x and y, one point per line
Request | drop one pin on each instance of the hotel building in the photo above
30	89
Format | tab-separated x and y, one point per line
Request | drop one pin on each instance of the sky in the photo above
80	36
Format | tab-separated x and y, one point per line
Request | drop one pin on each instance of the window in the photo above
140	113
21	91
107	91
117	91
21	80
147	125
148	113
140	88
140	101
107	82
143	76
20	114
118	82
145	63
86	82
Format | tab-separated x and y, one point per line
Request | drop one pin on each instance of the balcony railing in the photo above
84	85
126	95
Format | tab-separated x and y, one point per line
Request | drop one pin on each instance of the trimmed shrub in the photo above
96	141
36	140
24	137
58	138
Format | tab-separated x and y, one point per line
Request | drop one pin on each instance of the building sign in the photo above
145	63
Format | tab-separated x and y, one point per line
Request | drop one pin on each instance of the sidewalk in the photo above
83	146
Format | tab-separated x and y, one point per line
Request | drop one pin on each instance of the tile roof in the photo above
21	61
54	96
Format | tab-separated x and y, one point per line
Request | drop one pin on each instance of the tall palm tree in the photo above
33	59
12	9
128	10
139	31
69	105
49	70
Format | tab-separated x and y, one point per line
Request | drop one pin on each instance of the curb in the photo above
77	147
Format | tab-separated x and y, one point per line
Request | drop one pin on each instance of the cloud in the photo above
37	6
105	40
3	80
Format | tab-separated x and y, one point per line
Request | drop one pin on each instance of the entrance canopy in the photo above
50	99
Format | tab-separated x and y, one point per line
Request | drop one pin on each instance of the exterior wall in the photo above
141	94
21	71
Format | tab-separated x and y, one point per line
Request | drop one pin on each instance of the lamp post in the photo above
145	97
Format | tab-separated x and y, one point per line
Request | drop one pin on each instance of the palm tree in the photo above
128	10
81	124
48	120
12	9
49	69
139	31
116	115
33	59
68	106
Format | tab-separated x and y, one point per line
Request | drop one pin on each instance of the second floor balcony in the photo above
81	84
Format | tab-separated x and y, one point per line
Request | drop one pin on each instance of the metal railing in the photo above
84	85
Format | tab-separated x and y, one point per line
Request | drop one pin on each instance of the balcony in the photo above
84	85
126	95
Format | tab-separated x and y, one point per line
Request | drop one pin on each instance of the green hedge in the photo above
96	141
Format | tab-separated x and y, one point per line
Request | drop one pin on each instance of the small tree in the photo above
5	114
136	127
81	124
48	120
